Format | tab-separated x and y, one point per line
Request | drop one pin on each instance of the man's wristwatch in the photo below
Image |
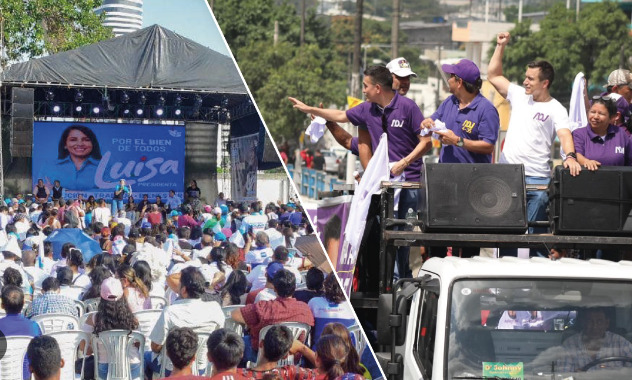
460	142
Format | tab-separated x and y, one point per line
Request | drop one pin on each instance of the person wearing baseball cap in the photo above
400	68
619	90
471	123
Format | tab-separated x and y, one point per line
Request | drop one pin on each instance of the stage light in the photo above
126	111
159	112
139	112
56	108
225	102
78	108
79	96
124	98
143	99
178	112
161	101
96	110
50	95
198	101
178	101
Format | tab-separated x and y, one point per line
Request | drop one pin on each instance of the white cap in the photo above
400	67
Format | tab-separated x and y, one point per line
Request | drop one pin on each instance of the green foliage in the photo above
591	45
36	27
312	73
309	76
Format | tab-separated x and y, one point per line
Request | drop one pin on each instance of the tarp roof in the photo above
150	58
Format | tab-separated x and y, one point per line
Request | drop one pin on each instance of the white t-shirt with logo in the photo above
532	130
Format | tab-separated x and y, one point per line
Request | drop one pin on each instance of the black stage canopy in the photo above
151	58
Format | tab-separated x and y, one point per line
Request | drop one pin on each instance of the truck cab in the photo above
509	318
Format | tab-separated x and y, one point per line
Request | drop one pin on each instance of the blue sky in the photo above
188	18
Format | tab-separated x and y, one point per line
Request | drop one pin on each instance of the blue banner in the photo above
91	158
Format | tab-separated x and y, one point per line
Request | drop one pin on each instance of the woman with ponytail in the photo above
135	290
211	271
331	358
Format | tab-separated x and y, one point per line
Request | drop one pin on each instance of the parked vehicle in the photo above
332	161
509	318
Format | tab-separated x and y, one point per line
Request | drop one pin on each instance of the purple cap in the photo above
273	268
464	69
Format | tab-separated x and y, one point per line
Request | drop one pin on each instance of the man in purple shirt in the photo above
385	111
471	120
15	323
472	126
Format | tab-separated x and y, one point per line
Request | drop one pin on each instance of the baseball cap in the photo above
111	289
619	77
464	69
273	268
400	67
219	236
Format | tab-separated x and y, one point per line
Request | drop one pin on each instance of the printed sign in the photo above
244	164
91	158
493	370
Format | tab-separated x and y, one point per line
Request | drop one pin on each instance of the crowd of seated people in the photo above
230	280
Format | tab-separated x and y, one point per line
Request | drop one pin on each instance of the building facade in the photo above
123	16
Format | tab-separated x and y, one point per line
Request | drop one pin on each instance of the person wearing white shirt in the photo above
188	311
261	252
102	213
536	119
257	276
217	265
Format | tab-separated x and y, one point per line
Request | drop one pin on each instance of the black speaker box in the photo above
22	108
592	203
470	198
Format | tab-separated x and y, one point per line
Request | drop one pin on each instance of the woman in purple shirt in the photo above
601	143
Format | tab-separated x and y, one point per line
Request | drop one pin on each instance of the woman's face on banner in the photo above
78	144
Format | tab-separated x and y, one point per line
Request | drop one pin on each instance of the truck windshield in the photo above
540	328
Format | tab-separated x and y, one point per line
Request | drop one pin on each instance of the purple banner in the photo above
331	220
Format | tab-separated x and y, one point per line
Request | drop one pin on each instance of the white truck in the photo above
509	318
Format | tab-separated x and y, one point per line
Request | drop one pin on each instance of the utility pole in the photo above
395	30
302	22
357	52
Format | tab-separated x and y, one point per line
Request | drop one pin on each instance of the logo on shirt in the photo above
619	149
540	117
467	126
397	124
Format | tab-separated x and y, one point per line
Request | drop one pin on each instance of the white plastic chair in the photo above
201	358
84	318
170	296
158	302
358	338
12	363
116	344
26	307
92	304
56	322
299	330
146	322
229	322
69	343
81	308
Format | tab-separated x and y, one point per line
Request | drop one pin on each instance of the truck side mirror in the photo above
384	308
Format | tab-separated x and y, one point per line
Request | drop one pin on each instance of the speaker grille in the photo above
490	196
22	109
474	198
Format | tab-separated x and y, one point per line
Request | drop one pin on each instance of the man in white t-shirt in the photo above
536	118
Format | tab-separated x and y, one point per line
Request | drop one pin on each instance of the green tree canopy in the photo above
36	27
592	45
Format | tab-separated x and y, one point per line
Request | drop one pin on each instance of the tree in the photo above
591	45
311	76
36	27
